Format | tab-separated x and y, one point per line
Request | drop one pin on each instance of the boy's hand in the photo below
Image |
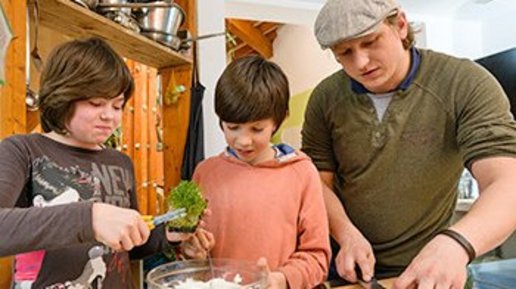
198	244
275	280
118	228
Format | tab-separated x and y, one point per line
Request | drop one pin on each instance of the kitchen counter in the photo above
387	283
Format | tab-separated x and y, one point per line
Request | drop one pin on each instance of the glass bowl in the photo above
174	274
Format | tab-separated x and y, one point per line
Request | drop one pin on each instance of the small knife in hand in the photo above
372	284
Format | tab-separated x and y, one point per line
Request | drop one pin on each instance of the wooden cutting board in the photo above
387	283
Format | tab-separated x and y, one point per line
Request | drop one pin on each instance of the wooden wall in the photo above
12	106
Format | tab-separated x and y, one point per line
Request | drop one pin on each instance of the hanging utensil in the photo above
31	96
36	58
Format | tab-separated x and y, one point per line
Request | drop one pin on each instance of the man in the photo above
390	135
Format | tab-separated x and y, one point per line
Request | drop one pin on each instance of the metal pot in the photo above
165	20
103	6
169	40
90	4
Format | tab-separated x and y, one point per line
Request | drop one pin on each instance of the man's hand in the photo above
355	251
441	264
275	279
118	228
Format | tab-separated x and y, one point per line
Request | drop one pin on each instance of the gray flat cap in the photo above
341	20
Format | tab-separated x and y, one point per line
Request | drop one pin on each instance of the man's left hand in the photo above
441	264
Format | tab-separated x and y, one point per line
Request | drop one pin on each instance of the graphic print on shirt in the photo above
55	185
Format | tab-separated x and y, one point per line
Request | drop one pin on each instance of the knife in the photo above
372	284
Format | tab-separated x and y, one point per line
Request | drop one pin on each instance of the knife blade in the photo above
371	284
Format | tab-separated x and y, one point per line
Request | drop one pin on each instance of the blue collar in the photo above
281	150
357	87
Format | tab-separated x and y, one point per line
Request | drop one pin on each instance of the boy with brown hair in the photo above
266	200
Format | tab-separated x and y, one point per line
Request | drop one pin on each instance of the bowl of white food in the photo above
214	274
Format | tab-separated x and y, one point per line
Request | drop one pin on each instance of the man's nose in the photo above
361	60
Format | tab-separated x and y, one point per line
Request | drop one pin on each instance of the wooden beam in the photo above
267	27
245	30
243	51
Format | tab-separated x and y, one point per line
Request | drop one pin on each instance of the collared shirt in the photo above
281	151
357	87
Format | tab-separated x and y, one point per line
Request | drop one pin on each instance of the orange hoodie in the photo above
274	209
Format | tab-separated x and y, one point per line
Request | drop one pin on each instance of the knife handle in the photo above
358	272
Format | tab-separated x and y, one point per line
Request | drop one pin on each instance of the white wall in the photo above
299	55
462	38
499	33
284	11
212	60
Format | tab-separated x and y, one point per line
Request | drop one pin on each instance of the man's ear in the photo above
402	25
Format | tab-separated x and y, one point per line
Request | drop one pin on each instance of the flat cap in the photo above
341	20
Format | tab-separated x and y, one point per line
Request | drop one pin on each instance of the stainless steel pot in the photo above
169	40
104	6
90	4
165	20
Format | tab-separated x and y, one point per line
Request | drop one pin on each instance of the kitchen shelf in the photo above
76	21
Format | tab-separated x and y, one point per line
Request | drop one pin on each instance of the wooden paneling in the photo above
128	121
141	135
5	272
190	23
12	94
176	110
76	21
155	160
142	116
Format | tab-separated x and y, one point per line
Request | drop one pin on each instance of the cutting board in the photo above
387	283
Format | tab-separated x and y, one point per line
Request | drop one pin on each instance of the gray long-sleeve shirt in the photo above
46	193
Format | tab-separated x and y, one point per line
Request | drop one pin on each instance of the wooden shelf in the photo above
78	22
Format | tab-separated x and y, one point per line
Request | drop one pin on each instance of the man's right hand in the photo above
118	228
355	253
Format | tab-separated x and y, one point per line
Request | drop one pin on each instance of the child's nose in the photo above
107	114
244	140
